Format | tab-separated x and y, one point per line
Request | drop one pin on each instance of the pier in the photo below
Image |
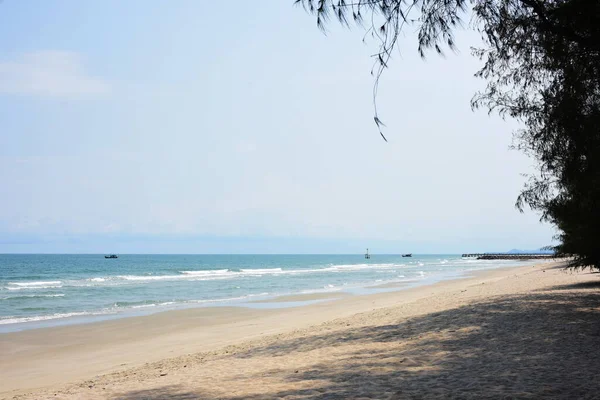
508	256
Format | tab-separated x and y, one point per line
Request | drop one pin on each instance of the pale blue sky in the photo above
218	127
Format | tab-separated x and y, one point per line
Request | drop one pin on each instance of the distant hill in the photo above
539	251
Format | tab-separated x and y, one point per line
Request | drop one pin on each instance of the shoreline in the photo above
29	359
253	301
304	297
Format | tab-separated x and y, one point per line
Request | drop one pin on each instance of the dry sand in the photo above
528	332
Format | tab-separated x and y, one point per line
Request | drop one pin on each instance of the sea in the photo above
45	290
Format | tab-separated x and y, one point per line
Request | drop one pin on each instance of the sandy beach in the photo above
526	332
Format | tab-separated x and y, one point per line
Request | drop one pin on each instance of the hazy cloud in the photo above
49	73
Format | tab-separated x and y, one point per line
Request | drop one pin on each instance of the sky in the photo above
219	127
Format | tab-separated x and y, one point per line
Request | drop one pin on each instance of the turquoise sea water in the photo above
47	290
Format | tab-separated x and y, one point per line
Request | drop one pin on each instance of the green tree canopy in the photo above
541	61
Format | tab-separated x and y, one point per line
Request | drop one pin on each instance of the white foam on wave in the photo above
347	267
30	296
342	268
208	273
32	287
35	283
144	306
152	277
262	270
227	299
242	271
20	320
325	289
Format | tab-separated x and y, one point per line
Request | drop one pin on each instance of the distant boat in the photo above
407	255
367	255
112	256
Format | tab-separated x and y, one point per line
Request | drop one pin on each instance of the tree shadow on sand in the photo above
173	392
580	285
540	345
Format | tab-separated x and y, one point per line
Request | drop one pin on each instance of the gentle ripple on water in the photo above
37	288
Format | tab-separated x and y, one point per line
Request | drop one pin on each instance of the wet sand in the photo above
304	297
391	285
527	332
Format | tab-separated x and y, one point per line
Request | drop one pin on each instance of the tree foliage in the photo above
541	61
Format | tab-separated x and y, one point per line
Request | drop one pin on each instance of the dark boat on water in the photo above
112	256
407	255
